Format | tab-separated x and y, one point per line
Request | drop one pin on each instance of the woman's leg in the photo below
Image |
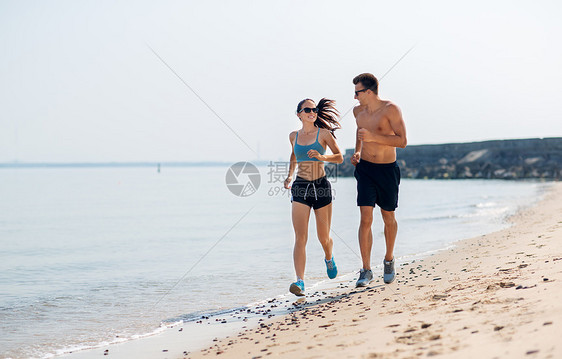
300	215
323	224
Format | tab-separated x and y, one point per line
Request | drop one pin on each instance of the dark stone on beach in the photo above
425	325
507	284
531	352
497	328
525	287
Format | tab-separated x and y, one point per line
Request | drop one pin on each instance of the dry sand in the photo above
495	296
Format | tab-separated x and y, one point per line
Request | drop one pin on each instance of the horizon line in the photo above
141	163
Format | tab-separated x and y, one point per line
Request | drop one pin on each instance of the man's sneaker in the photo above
297	288
331	268
389	273
365	277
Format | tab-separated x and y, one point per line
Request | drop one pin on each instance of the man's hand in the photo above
355	158
365	135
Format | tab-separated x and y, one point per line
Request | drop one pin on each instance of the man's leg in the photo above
366	235
390	231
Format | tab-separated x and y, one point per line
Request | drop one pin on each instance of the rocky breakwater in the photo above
536	158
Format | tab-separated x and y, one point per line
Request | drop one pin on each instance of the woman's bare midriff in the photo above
311	170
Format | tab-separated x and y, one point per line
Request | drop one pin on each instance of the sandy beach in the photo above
495	296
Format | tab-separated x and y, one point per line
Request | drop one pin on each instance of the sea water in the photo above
101	255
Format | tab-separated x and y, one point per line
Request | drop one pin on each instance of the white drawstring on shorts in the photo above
306	191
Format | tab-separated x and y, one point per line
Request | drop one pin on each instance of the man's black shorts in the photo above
315	194
377	184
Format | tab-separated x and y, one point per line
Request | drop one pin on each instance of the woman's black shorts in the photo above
315	194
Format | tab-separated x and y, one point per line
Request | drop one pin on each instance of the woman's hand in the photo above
287	182
315	154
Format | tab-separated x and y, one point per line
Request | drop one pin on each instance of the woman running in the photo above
311	188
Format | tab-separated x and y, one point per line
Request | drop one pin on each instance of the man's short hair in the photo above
369	81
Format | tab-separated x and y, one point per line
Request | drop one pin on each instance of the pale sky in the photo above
80	83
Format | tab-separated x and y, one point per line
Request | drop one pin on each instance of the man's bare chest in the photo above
373	122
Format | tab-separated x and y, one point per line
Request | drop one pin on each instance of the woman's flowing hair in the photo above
327	114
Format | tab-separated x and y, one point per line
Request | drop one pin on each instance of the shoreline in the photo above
492	296
343	314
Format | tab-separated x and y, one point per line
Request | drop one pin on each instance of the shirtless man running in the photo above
380	129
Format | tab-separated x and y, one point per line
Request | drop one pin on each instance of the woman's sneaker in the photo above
331	268
365	277
389	273
297	288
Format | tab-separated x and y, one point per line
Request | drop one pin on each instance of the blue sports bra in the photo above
301	152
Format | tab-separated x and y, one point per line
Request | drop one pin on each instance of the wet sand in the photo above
494	296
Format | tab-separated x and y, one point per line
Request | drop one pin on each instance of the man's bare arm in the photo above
398	127
358	143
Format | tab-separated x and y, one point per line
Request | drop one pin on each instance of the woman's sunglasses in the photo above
309	110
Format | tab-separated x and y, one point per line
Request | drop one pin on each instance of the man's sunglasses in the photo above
357	92
309	110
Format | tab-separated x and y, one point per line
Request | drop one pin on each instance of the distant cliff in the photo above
502	159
